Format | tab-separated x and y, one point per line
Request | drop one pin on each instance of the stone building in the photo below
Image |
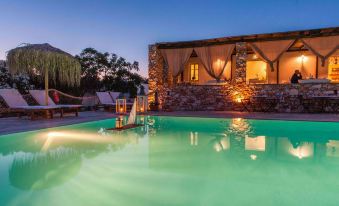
231	73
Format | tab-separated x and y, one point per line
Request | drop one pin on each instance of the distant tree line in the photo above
99	72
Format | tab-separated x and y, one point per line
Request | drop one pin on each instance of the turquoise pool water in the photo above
173	161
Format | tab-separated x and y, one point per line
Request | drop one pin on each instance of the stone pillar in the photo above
240	69
157	75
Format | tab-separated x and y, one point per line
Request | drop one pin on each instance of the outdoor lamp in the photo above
142	103
120	106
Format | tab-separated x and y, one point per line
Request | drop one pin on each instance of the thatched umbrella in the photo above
47	61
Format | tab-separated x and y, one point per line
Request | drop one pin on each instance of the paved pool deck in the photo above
13	124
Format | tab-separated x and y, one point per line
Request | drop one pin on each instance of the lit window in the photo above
194	72
256	72
333	69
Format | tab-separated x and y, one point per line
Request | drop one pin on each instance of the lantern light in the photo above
121	106
142	103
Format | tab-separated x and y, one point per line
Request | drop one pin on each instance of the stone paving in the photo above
14	124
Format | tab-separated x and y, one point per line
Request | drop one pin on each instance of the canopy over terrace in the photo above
321	43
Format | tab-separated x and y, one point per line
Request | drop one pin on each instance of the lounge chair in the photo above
106	100
114	95
17	103
39	96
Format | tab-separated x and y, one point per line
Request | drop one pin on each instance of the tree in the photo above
108	72
20	81
5	78
90	70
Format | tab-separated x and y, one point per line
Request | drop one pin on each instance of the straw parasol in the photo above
47	61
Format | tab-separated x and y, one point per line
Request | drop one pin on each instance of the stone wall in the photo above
240	70
158	75
225	97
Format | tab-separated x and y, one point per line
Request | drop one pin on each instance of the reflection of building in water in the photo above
332	148
303	150
222	144
295	148
194	138
239	127
151	126
255	143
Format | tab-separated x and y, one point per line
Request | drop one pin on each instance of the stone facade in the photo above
158	76
189	97
184	96
240	70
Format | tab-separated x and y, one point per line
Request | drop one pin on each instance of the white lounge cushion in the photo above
105	98
13	98
36	107
114	95
39	96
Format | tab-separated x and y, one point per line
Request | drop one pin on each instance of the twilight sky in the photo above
127	27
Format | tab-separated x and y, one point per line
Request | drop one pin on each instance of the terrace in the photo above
232	73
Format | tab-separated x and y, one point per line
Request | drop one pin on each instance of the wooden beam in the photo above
252	38
278	71
317	67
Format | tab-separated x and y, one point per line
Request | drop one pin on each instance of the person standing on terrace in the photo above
296	77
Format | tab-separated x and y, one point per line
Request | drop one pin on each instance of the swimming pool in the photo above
173	161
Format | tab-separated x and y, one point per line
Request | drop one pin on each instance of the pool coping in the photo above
15	123
253	115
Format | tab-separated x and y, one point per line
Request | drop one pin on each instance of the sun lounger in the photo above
106	100
17	103
39	96
114	95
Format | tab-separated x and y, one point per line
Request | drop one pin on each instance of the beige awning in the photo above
215	58
323	47
176	59
270	51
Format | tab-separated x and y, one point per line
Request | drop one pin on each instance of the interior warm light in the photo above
255	56
302	58
219	64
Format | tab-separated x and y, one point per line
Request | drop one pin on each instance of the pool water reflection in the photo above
173	161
